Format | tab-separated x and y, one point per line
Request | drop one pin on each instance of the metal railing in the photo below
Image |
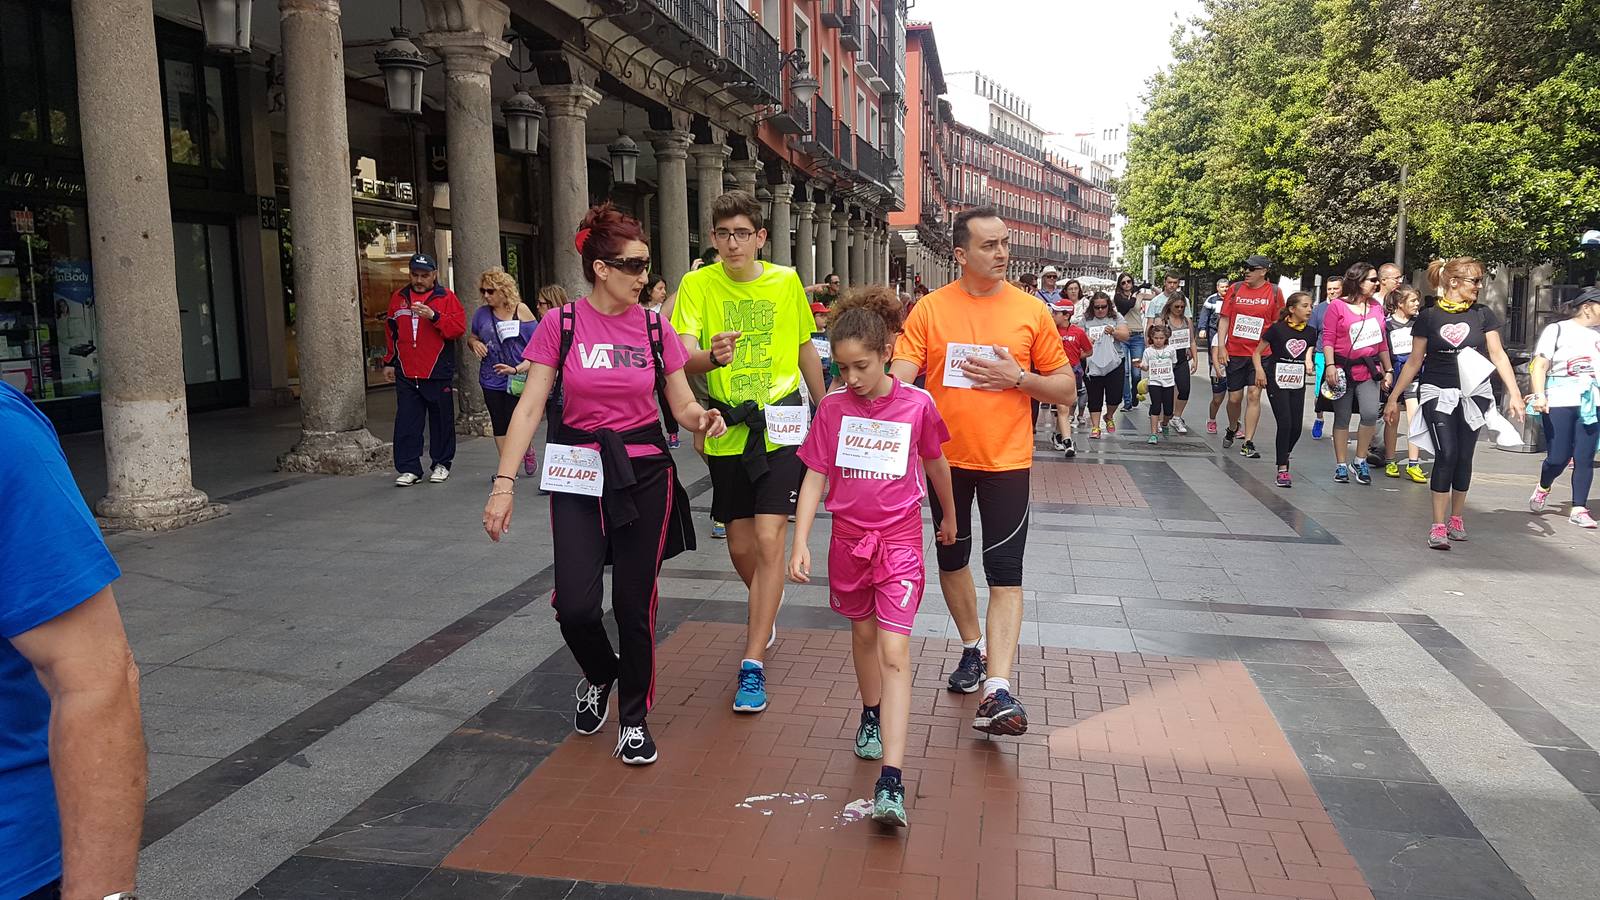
851	30
822	125
747	45
698	17
847	147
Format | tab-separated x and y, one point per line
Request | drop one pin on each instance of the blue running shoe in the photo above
719	530
752	694
1341	473
1316	429
1000	713
1363	472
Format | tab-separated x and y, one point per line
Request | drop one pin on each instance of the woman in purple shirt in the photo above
499	332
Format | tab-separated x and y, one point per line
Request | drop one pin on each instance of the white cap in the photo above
1048	270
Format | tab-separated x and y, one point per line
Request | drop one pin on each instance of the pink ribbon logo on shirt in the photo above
1455	333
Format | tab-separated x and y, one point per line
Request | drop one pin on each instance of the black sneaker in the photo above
1057	441
1000	713
635	746
593	704
1249	451
1228	436
970	672
1070	449
1376	457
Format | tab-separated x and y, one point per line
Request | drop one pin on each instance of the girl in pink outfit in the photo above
862	446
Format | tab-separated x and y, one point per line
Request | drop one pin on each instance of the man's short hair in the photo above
736	203
961	229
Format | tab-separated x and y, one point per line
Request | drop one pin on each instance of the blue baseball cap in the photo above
422	262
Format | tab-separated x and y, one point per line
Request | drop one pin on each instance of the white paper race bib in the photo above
787	425
1180	339
955	355
873	445
1248	327
507	329
1291	375
823	348
572	470
1365	333
1400	341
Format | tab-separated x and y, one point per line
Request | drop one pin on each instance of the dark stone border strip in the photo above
1566	752
199	792
268	488
1308	528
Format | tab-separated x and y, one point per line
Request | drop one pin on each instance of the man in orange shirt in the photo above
976	339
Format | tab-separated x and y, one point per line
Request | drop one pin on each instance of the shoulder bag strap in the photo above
658	357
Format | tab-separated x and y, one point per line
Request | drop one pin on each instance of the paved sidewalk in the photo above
350	692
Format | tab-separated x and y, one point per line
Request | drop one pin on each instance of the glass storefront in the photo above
49	340
383	263
208	303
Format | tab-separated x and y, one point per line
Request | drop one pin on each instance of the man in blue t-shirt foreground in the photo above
72	755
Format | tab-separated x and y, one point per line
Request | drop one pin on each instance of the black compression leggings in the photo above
1453	444
1180	373
1105	389
1289	411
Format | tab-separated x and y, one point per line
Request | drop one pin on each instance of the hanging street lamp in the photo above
227	25
624	159
402	64
523	117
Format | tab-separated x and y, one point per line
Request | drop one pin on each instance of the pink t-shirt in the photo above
867	500
1344	328
610	379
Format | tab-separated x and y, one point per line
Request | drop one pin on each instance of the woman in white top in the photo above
1181	331
1566	395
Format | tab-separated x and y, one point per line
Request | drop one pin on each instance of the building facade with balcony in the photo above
270	179
920	243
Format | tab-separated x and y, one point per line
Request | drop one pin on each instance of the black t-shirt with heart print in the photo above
1448	333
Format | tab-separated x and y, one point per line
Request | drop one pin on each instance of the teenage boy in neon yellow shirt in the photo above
756	322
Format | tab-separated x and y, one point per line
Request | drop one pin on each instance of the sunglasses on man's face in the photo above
629	266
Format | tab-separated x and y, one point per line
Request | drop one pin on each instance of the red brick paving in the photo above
1144	778
1086	484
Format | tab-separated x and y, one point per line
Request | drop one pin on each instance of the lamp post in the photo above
523	115
227	25
402	64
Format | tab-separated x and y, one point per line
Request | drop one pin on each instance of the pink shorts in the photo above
867	576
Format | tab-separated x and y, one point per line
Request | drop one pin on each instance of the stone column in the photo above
842	261
858	253
744	174
142	400
566	110
467	37
333	384
781	228
708	162
672	154
824	241
805	242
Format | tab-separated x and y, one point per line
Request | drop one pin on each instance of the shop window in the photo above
385	158
512	182
383	259
39	95
195	107
208	302
48	332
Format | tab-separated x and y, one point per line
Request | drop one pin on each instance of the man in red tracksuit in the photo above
423	319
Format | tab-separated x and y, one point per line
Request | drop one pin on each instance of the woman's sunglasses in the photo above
629	266
487	292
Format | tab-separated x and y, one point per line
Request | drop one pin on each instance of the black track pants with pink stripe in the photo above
581	540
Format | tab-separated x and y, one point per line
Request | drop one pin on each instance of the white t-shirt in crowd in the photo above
1159	364
1573	351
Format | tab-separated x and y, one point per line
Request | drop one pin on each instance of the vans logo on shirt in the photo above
613	356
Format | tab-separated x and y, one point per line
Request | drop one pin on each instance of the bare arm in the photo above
97	751
805	513
905	370
1058	386
524	422
703	361
811	370
687	410
1408	372
1219	342
938	472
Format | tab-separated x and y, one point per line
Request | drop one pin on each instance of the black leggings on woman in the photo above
1570	441
1105	389
1289	411
1453	444
1180	373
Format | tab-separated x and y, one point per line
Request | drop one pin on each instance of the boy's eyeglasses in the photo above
740	236
629	266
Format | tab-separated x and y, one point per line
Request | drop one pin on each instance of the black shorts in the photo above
734	497
1003	499
500	404
1241	373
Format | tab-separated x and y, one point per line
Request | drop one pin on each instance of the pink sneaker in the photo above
1111	425
1438	538
1581	518
1457	529
530	463
1537	501
1211	427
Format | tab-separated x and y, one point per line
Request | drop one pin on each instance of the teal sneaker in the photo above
752	694
869	739
889	802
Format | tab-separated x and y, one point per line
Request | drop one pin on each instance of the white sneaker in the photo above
440	473
1179	425
407	479
1581	518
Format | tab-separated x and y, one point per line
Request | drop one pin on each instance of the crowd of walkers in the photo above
854	397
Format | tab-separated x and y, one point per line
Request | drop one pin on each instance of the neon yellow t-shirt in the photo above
773	318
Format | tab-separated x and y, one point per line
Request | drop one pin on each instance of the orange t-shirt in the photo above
990	431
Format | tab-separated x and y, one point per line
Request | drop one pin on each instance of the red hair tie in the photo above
583	237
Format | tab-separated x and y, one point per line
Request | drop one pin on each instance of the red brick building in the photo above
920	238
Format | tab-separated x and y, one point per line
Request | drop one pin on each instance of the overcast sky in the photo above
1081	63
